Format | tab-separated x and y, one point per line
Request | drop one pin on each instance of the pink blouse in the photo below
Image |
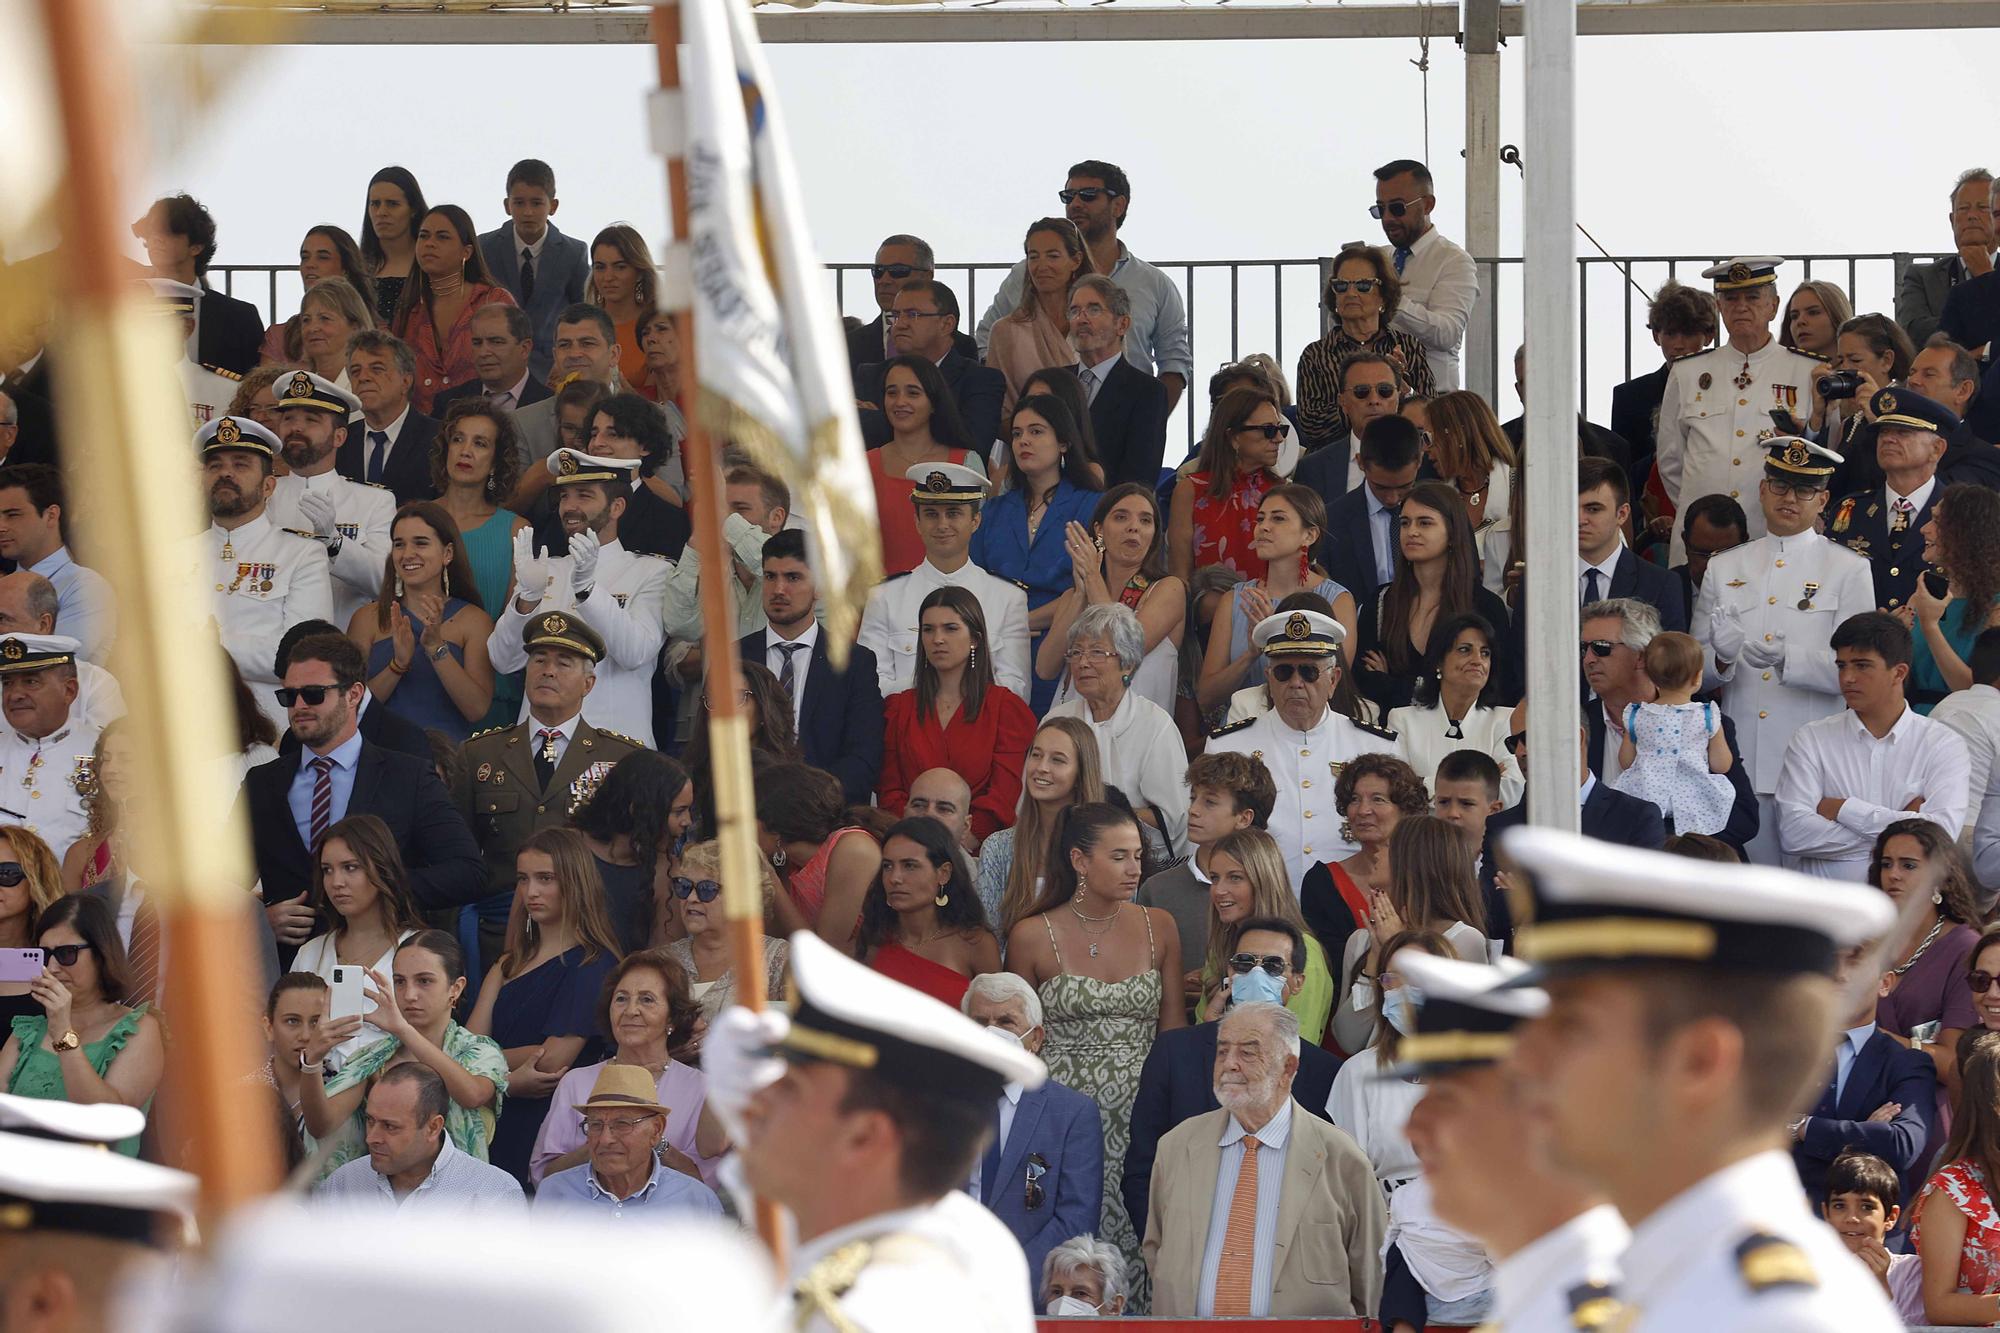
437	372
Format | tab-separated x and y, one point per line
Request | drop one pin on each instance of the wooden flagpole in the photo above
728	721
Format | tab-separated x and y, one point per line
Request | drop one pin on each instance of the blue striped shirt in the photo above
1271	1140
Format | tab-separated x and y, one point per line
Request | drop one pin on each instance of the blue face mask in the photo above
1396	1008
1255	985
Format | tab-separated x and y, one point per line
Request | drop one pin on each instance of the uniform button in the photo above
1739	434
1309	814
1767	638
1306	782
1743	402
1781	564
1770	601
1736	495
1767	676
1736	462
1762	713
541	809
1305	754
1894	600
1893	571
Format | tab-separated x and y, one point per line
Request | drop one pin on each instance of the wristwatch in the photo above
437	653
69	1041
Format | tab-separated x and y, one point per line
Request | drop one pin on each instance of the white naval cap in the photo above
227	432
302	388
1793	456
1466	1013
1599	905
1304	633
571	467
945	483
1744	271
173	297
32	652
56	1174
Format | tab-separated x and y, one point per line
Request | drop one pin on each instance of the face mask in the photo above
1011	1038
1071	1305
1255	985
1362	995
1396	1008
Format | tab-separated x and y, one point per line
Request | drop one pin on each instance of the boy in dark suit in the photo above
179	236
542	267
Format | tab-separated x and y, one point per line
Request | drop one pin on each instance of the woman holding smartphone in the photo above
360	885
29	882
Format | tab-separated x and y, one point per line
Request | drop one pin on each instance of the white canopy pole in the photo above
1550	429
1481	26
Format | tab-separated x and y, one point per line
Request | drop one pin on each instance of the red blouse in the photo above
987	753
1225	526
437	372
920	973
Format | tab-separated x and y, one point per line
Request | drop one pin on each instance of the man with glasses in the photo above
923	321
1766	615
1301	740
1096	197
1440	281
1359	549
623	1128
897	260
1926	288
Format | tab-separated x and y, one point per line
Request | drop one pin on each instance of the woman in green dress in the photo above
86	1045
475	465
1109	976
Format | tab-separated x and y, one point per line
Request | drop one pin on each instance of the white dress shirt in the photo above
1421	738
262	580
1272	1140
1974	713
458	1183
1877	779
1142	755
394	430
801	665
1440	285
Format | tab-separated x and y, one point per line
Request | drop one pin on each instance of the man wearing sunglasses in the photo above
45	752
1440	281
1301	740
897	260
1095	198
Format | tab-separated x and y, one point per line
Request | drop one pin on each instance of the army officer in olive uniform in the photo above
1884	525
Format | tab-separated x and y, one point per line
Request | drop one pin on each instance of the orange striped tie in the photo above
1239	1242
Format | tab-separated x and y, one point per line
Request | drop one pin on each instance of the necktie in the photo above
545	756
322	806
1402	258
527	274
787	680
144	955
1899	514
378	455
1088	375
1592	589
1239	1242
504	400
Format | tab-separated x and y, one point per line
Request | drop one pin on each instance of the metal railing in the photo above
1239	306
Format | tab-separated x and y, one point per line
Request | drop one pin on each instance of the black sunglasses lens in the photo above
1517	740
11	873
1980	982
65	954
313	695
703	890
1284	671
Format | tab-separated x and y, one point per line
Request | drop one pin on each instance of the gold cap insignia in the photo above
227	431
567	465
1739	273
1797	455
936	481
1885	402
555	624
13	650
1298	627
302	386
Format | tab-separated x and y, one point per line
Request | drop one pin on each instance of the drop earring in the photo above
942	900
971	659
778	859
1937	897
1346	831
399	587
447	580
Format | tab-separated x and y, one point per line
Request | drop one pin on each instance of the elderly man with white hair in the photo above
1043	1172
1084	1276
1140	746
1258	1209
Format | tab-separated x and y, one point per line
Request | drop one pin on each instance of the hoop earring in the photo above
778	859
1937	897
942	900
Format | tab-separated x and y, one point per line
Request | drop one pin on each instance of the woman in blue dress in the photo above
425	641
1021	532
1962	541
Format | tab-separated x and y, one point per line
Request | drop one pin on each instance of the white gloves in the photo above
1725	634
1761	656
583	549
533	571
735	1062
316	508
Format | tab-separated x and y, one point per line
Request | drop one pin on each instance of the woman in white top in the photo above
1122	560
360	885
1137	741
1472	452
1456	706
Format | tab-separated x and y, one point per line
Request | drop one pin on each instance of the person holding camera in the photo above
1884	523
1870	353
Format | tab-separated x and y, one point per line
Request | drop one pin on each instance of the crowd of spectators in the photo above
1151	763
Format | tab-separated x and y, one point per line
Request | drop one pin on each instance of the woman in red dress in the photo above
434	315
921	922
956	717
1213	520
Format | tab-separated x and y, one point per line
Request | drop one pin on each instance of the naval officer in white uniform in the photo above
1766	615
46	748
1716	409
947	497
1301	740
209	389
350	519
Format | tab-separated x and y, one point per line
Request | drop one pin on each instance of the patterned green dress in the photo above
471	1130
1098	1034
38	1073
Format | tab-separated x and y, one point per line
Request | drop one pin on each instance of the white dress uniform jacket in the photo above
889	625
1764	581
1741	1252
1305	765
262	580
38	781
1543	1286
950	1262
361	515
624	608
208	393
1876	779
1709	427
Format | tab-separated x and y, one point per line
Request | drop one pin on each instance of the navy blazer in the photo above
533	392
1884	1071
1635	412
1128	418
1062	1127
1177	1083
1347	551
978	390
559	279
230	333
407	474
865	346
1608	816
1744	817
1860	522
840	727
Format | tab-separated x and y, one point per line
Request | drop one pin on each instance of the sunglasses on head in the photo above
1981	982
1596	647
1089	194
1277	431
314	695
65	954
1273	965
11	873
1340	286
1361	391
896	271
703	890
1305	671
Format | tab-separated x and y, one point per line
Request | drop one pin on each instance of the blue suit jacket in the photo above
1347	551
840	728
1884	1071
559	279
1063	1127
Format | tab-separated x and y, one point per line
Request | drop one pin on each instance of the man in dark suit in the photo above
1128	407
923	320
1370	387
390	730
1872	1071
179	236
838	713
288	802
1359	549
544	269
1043	1172
502	349
1607	568
1711	525
1948	375
1177	1082
391	444
1925	289
1682	321
1884	524
897	260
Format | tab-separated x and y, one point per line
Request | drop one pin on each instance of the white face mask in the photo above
1362	995
1072	1305
1011	1038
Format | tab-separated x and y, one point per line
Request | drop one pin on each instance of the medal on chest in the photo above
1742	380
1805	602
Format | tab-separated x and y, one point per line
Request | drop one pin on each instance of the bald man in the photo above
943	795
28	605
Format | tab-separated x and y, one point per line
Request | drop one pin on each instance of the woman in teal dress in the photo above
1109	976
426	646
86	1045
1962	541
475	465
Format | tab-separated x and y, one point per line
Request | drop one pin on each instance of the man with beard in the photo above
349	518
1440	281
620	593
262	578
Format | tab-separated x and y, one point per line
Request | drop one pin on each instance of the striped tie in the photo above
1239	1242
322	809
143	957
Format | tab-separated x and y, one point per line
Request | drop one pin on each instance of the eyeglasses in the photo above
1305	671
896	271
1596	647
1089	194
896	316
11	873
1038	1166
1804	490
1277	431
1395	208
703	890
621	1126
66	954
1361	391
1098	655
314	695
744	698
1516	741
1341	286
1697	552
1241	963
1976	982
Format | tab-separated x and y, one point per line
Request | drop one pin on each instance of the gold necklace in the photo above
1107	924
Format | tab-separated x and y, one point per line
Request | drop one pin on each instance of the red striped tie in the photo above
322	807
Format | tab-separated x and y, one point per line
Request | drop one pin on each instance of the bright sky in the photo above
1248	150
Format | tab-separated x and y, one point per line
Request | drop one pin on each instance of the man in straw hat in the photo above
623	1127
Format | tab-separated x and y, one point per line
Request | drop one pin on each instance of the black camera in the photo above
1839	384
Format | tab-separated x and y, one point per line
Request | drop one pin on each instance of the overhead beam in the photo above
1086	23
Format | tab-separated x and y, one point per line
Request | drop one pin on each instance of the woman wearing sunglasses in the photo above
1247	880
1213	516
922	922
28	885
703	951
1361	298
86	1045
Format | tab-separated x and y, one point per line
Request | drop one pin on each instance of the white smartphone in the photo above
346	1000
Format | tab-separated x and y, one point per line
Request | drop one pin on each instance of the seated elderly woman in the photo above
1140	748
703	951
1084	1276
